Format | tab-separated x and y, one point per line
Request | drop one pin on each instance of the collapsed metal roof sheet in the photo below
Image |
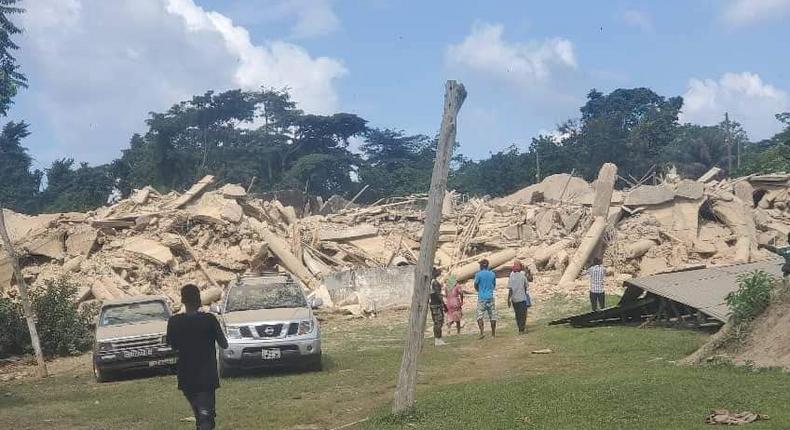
704	289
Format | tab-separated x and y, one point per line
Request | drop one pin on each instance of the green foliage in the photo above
11	79
62	327
772	155
396	164
18	184
752	297
503	173
13	330
75	189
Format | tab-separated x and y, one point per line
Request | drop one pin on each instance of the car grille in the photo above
137	343
293	329
266	330
245	331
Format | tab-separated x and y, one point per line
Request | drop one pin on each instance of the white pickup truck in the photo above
131	334
268	322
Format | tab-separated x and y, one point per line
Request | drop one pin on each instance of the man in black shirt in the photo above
193	335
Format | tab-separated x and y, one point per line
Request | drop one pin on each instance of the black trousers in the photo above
203	406
598	301
520	309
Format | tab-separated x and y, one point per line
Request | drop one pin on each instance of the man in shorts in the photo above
437	307
485	283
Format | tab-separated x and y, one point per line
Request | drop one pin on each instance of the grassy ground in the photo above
608	377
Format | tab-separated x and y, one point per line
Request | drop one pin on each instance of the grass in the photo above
601	378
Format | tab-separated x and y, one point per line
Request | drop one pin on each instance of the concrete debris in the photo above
153	243
646	195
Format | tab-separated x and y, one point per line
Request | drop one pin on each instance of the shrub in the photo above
13	329
62	328
752	297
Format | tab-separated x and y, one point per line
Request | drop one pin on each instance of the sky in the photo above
96	68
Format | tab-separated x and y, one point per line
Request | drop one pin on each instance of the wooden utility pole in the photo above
537	164
728	142
454	97
41	370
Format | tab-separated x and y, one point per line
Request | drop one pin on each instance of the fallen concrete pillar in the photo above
543	254
193	192
710	174
282	250
600	210
356	232
467	271
639	248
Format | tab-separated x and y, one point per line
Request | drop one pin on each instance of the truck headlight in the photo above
105	346
233	332
305	327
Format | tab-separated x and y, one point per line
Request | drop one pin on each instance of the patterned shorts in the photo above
486	308
437	314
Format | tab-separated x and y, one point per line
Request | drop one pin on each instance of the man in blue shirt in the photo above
485	283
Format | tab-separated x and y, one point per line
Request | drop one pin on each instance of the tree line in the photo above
240	135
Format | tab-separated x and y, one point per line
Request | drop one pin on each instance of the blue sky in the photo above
96	67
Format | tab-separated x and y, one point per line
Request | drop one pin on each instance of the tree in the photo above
771	155
396	164
695	149
18	184
11	79
77	189
628	127
236	135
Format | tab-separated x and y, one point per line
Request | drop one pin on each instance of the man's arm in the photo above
172	340
222	341
477	282
771	248
509	295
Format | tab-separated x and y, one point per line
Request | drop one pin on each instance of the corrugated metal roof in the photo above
704	289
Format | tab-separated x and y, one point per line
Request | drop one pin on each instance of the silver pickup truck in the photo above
130	334
268	322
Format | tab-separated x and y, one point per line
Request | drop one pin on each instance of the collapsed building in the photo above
153	243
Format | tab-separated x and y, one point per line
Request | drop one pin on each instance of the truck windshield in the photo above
254	296
133	313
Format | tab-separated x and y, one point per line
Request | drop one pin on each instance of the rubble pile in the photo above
154	243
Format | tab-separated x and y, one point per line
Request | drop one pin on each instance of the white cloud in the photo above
527	64
745	12
638	19
745	96
313	17
303	18
97	67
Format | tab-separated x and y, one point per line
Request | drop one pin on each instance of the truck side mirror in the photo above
214	308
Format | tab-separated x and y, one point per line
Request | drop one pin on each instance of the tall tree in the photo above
71	188
11	79
18	183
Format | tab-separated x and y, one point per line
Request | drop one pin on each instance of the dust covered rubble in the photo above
153	243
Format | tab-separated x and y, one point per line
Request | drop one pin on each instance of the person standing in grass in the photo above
455	303
518	295
485	284
194	335
436	304
597	273
782	251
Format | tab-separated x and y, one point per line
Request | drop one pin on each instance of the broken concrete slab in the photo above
570	220
647	195
50	245
709	175
81	240
150	250
745	192
215	209
192	193
545	221
233	191
74	264
343	234
373	289
689	189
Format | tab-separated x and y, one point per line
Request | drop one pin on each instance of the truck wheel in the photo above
101	375
222	369
315	364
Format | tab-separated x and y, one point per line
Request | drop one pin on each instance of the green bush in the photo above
752	297
13	329
62	327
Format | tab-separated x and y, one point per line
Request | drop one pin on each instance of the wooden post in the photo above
454	97
351	202
30	316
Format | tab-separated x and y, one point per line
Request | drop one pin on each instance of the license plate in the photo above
163	362
270	354
137	353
